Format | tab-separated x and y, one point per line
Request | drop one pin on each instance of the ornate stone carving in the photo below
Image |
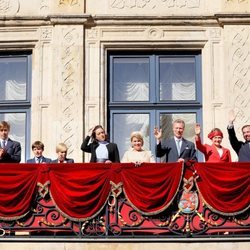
46	34
44	5
69	2
182	3
9	7
69	60
240	72
92	33
122	4
154	33
237	1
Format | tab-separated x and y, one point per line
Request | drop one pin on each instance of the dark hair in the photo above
37	144
245	126
93	135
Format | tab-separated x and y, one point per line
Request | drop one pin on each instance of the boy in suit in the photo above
38	148
176	149
10	151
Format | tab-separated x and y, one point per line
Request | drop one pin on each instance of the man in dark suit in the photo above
10	151
241	148
176	149
38	148
62	150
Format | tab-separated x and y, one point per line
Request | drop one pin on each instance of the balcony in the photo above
84	201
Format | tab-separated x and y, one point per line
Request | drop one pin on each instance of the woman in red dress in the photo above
214	152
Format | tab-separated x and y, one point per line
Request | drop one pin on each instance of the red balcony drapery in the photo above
151	188
17	189
224	186
81	190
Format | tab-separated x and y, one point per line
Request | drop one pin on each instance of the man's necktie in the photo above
178	144
39	160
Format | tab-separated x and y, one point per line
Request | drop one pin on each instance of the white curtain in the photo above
15	90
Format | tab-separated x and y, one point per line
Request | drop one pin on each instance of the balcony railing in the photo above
117	201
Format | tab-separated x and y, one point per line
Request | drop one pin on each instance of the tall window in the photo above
15	100
152	89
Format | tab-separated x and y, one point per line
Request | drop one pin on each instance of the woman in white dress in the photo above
136	153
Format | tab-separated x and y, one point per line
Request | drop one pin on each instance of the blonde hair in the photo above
61	147
137	135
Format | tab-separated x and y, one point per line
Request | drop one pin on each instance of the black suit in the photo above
168	148
113	153
12	152
241	148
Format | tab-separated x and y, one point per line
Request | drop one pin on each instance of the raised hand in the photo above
157	133
231	116
197	129
90	131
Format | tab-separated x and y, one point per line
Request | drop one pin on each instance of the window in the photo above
15	100
152	89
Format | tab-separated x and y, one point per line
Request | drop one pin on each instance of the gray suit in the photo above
43	160
168	148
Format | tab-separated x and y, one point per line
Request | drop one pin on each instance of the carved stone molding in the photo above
69	3
240	72
92	33
237	1
44	5
69	59
9	7
46	34
154	33
140	4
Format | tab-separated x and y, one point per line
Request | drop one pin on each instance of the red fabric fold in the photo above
17	189
151	188
80	191
224	186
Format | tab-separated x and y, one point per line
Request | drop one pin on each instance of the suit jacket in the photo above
211	153
91	148
13	152
44	159
241	148
169	149
68	160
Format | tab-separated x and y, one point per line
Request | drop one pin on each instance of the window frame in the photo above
154	106
21	106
